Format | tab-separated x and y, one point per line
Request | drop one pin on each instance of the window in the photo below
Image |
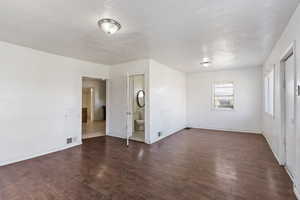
223	96
269	92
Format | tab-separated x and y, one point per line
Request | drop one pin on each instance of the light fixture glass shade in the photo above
205	62
109	26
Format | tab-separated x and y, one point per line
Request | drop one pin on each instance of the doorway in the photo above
93	108
290	136
136	105
289	107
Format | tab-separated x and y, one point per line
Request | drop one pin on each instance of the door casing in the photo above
282	145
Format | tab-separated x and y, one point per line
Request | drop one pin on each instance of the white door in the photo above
290	115
129	128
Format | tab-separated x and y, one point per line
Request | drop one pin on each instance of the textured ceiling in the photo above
178	33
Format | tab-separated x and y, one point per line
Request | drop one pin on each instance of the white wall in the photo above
246	117
167	100
117	95
272	126
40	101
99	87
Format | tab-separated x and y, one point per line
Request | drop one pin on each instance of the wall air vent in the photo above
69	140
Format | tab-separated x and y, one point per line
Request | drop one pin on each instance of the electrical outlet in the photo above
69	140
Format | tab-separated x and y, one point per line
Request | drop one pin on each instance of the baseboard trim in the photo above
167	135
297	193
227	130
8	162
288	172
116	136
275	155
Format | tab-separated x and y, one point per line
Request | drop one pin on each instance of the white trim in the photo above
107	103
268	110
288	51
275	155
7	162
107	106
167	135
213	106
114	135
282	112
92	104
227	130
297	193
289	173
147	108
282	144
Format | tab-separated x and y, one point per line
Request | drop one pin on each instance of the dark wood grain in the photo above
191	165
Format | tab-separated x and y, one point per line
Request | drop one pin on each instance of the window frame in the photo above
213	96
269	107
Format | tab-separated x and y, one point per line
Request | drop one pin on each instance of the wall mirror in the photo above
140	98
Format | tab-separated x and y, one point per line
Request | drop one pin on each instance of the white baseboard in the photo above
276	156
288	172
7	162
116	136
229	130
166	135
297	193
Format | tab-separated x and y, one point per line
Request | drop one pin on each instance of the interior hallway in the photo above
93	129
190	165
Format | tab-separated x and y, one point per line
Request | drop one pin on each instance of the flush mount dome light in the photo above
109	26
206	62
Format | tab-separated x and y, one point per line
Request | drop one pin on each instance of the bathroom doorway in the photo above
137	105
93	108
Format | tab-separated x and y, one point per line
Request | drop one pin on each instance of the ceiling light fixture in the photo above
109	26
205	62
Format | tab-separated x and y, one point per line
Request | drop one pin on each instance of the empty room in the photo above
150	100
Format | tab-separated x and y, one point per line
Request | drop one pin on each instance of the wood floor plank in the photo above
190	165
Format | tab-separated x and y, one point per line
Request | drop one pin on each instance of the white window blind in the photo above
223	96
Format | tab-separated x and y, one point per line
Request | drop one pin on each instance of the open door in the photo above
290	136
129	128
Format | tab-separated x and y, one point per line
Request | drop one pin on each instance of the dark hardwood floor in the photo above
191	165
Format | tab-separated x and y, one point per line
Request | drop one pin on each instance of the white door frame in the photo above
129	125
107	102
282	146
147	110
92	103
